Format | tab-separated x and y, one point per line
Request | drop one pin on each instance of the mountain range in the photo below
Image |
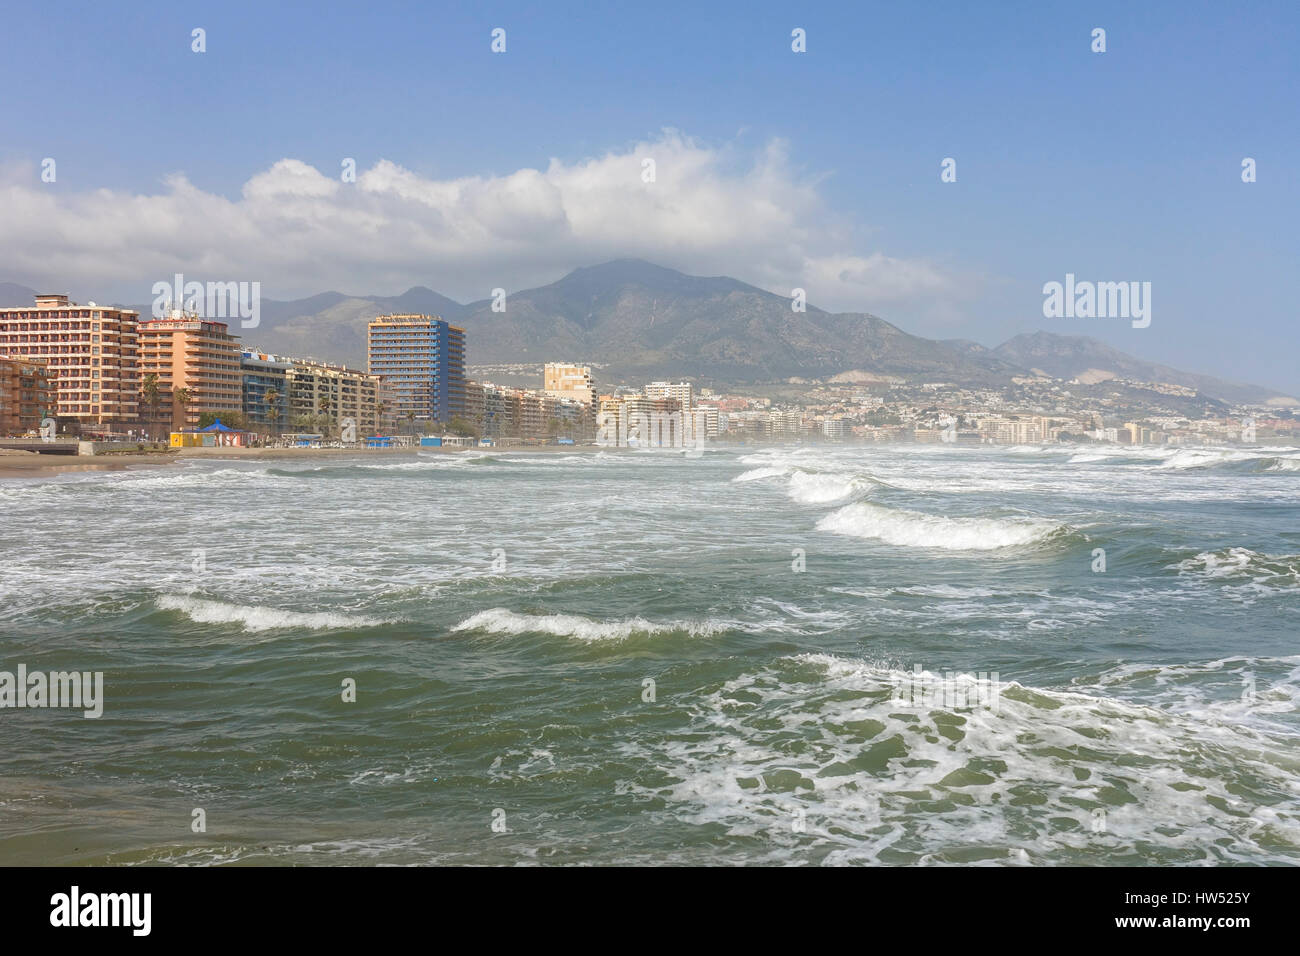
634	320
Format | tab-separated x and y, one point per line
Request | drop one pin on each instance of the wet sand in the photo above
31	465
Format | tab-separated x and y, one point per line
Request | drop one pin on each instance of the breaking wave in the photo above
813	488
912	529
501	621
261	618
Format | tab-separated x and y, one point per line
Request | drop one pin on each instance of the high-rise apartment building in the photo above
503	411
786	424
197	355
422	358
1016	431
834	428
568	381
90	354
265	390
322	392
682	392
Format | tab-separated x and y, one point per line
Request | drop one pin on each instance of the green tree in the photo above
325	419
230	417
272	398
460	426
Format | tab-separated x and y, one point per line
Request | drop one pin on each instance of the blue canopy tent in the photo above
217	426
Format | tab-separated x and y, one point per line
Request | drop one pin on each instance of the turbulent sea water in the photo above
502	613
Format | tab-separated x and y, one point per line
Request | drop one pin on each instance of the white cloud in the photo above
298	230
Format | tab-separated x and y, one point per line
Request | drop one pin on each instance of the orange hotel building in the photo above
89	352
196	354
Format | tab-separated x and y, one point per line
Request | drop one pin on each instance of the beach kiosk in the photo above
216	435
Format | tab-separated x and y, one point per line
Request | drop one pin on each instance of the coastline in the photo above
32	465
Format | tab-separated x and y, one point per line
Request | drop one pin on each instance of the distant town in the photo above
106	374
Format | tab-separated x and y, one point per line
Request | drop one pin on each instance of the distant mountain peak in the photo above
1085	358
638	320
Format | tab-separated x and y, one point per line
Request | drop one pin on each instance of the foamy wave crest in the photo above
812	488
498	620
1265	458
189	475
260	618
912	529
1242	564
756	474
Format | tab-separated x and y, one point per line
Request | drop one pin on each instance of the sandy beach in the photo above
17	464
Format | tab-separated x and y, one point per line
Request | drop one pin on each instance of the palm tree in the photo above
153	396
324	406
410	420
181	399
272	399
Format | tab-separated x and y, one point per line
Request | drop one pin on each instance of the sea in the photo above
788	655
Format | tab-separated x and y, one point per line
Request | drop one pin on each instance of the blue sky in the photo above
1116	166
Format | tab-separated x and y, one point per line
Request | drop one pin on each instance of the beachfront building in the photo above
422	358
27	395
561	380
786	425
834	429
90	354
1016	431
195	354
710	418
681	392
1139	434
503	411
611	420
640	421
265	390
322	395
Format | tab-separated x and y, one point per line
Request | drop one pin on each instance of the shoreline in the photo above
34	465
19	465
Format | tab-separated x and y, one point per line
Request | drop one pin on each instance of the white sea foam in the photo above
1045	775
913	529
767	471
260	618
184	477
499	620
814	488
1185	458
1262	573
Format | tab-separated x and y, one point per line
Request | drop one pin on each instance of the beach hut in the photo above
216	435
